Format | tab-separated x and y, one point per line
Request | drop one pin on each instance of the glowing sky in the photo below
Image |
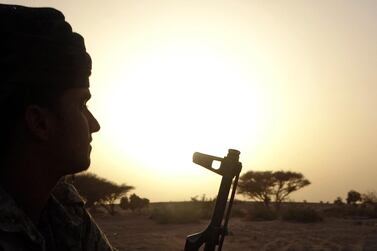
291	84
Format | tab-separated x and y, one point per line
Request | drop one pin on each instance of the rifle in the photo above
215	233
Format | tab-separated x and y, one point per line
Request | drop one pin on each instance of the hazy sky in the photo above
291	84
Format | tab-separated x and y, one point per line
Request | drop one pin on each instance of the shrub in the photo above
371	210
363	211
367	211
337	211
303	215
124	203
237	212
369	198
137	203
261	213
338	201
204	205
185	212
176	214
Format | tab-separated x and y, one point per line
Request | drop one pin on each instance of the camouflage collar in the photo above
57	210
13	219
66	194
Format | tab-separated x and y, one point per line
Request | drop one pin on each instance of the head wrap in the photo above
38	50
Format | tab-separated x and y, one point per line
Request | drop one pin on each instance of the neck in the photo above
29	183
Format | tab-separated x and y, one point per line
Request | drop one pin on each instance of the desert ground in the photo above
129	231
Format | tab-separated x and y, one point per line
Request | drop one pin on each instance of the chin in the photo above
78	167
85	166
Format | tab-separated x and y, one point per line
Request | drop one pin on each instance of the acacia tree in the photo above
369	198
285	183
353	197
99	191
266	186
257	186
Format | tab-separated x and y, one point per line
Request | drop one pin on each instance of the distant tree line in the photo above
101	192
354	198
134	202
356	205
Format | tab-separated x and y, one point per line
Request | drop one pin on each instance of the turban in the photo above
39	51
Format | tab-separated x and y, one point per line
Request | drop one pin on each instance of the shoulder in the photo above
71	202
67	194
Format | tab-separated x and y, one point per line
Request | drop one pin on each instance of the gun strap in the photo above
230	204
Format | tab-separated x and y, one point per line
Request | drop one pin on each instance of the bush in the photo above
189	212
204	205
367	211
302	215
237	213
177	214
261	213
337	211
369	198
124	203
338	201
137	203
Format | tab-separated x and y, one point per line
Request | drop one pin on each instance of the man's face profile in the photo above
45	62
47	130
74	125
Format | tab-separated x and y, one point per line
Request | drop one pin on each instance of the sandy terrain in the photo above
133	232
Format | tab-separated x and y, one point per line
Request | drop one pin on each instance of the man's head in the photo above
44	81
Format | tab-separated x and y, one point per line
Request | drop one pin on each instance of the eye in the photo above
84	103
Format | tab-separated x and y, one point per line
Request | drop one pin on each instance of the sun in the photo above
174	101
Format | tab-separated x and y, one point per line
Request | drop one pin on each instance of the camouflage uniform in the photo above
40	54
64	225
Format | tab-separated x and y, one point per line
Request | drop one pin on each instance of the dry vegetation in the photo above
137	231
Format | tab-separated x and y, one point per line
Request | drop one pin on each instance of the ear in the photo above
38	122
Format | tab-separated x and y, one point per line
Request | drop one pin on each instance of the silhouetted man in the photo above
46	130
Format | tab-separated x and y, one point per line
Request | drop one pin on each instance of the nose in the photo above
94	126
